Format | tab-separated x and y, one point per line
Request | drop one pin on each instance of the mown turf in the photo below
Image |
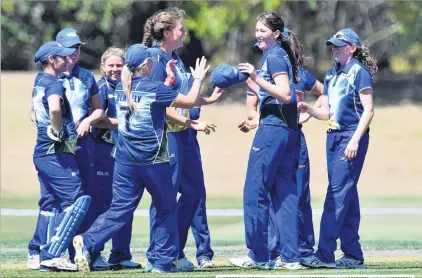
17	202
373	268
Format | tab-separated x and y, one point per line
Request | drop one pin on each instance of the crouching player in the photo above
54	160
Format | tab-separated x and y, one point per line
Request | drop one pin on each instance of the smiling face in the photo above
343	54
113	67
73	59
174	37
58	63
265	37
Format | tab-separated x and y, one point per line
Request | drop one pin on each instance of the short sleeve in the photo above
309	81
325	91
277	64
158	72
363	80
55	88
190	80
194	113
250	92
103	94
94	90
165	95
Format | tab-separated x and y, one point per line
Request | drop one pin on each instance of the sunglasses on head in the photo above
342	38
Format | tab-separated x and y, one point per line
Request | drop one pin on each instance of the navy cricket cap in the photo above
225	76
51	48
343	38
136	55
68	37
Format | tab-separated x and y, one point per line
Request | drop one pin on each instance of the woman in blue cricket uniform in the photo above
307	83
270	177
347	104
166	28
83	93
56	141
142	158
112	62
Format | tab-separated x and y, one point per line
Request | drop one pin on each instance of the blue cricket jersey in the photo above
273	111
142	137
107	87
183	79
80	87
46	85
306	83
343	86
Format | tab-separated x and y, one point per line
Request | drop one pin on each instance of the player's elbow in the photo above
55	111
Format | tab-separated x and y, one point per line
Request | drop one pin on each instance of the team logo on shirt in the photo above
329	76
101	173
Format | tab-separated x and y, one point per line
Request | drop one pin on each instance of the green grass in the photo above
392	244
409	268
236	203
378	232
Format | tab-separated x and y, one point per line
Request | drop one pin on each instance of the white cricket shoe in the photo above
244	262
60	263
82	257
33	262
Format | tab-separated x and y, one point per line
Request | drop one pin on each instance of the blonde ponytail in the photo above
127	76
127	86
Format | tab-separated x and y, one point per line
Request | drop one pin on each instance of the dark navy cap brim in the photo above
66	52
71	42
336	42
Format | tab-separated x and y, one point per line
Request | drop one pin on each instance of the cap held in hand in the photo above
225	76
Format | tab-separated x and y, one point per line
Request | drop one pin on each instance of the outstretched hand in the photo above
206	127
201	68
216	94
170	68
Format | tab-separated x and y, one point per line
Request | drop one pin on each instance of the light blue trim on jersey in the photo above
343	98
47	83
78	87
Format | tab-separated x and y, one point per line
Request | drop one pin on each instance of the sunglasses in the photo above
342	38
76	46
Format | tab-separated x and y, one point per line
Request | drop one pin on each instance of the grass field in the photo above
390	179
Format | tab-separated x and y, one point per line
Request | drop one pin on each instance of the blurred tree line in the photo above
224	31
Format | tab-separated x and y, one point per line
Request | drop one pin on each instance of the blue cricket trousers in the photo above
84	157
103	172
186	165
201	233
271	179
341	216
60	186
306	227
129	183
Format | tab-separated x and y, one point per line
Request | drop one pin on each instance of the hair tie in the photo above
129	65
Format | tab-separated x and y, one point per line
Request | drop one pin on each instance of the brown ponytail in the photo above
163	20
298	49
275	22
148	32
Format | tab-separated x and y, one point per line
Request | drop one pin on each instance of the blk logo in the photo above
101	173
